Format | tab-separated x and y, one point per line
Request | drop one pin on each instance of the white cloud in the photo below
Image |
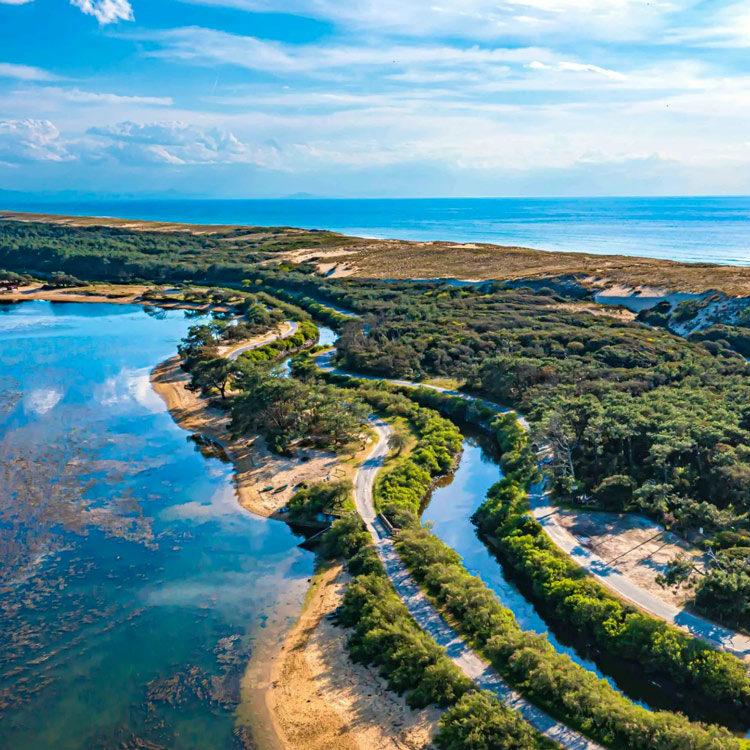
177	144
578	68
209	46
482	19
106	11
24	141
78	96
15	2
25	72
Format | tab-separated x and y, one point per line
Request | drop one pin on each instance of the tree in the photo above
480	722
397	441
211	375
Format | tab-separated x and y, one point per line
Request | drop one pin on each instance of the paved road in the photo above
430	620
718	636
291	329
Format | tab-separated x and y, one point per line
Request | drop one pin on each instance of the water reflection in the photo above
140	585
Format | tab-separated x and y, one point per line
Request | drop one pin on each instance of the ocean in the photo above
695	230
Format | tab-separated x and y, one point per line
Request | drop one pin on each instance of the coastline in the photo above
254	465
320	700
365	257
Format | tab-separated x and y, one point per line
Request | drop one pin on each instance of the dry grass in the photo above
395	259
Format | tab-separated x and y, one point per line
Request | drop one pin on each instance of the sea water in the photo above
695	229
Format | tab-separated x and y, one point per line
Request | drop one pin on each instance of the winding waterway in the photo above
133	586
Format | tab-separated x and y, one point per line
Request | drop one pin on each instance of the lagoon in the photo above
134	587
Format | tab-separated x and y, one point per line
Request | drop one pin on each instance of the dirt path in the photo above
634	545
479	671
321	700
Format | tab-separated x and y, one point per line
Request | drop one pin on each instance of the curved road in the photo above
429	619
718	636
292	328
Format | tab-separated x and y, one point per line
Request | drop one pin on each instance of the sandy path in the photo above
321	700
636	546
425	614
255	467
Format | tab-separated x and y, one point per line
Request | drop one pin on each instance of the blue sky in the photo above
360	98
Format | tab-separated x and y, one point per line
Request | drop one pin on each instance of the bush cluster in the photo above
550	679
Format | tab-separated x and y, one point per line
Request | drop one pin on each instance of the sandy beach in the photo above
255	467
320	700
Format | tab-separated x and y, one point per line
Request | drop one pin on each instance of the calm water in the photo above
715	230
133	586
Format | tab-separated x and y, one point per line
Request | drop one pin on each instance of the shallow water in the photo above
135	587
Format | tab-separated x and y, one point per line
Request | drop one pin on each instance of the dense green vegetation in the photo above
98	253
478	721
548	678
290	414
320	497
321	312
410	478
293	414
305	336
637	419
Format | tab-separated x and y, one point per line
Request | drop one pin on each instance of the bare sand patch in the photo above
321	700
255	467
636	546
119	295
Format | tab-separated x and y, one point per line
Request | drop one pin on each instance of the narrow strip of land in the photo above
430	620
720	637
288	328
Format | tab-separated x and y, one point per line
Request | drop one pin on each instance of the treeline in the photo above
292	414
97	253
406	483
319	311
385	635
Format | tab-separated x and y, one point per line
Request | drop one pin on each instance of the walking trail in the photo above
430	620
